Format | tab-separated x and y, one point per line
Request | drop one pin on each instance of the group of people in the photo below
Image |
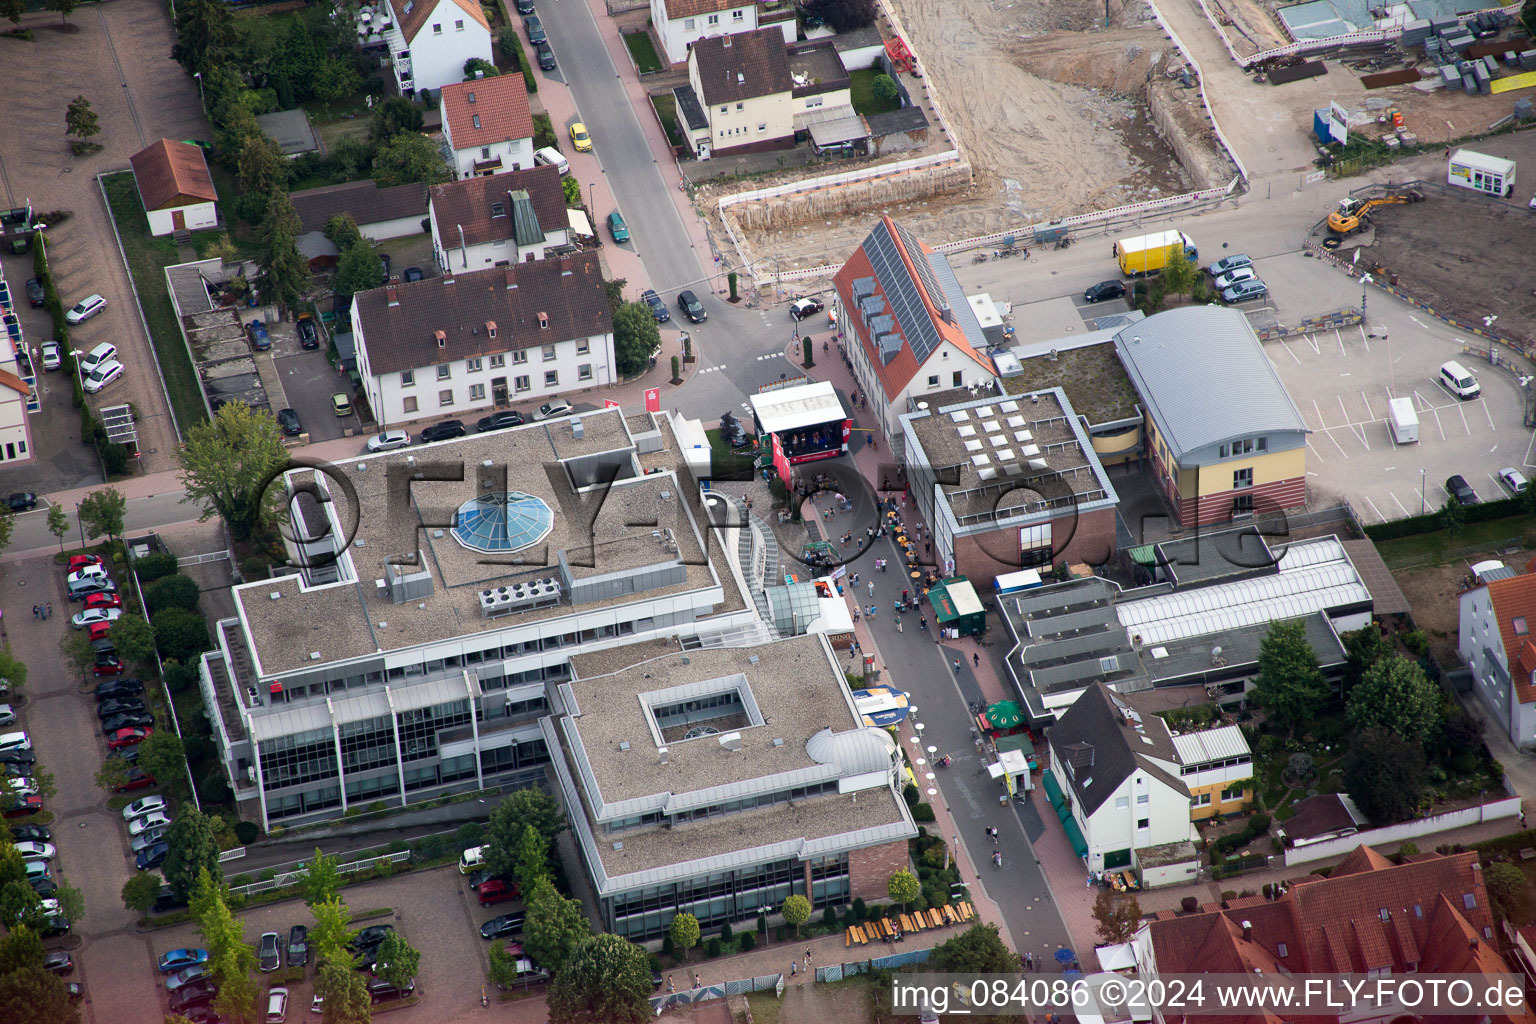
42	611
802	442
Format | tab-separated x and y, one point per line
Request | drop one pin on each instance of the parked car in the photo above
413	274
85	309
78	562
143	806
553	409
1515	480
380	990
535	29
1460	491
501	927
21	501
53	926
658	307
96	356
443	431
35	296
127	720
90	571
499	421
202	1015
732	432
103	375
44	887
388	441
107	665
7	715
309	334
341	404
36	833
298	946
178	959
1229	263
369	939
195	994
1245	291
155	819
617	228
802	308
36	869
127	738
53	355
167	901
261	340
495	891
120	706
186	976
277	1005
92	616
22	806
1103	291
21	785
1235	276
546	56
59	962
144	840
103	601
137	778
23	757
36	850
692	308
288	420
267	957
524	6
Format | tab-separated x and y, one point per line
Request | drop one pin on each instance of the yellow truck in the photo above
1148	254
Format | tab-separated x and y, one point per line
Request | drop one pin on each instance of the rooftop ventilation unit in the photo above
731	741
519	596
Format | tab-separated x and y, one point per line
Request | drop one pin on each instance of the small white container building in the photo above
1481	172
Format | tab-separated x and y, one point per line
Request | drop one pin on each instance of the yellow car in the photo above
580	138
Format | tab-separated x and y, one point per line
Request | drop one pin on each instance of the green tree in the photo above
321	879
554	925
884	88
977	950
134	638
684	931
345	993
58	523
1362	649
180	634
1505	884
284	271
532	860
504	833
358	270
796	911
335	79
12	671
230	958
398	960
261	168
12	865
842	15
192	849
606	981
613	289
409	158
64	7
343	232
333	928
21	948
18	902
904	887
112	773
102	512
1396	695
75	648
572	189
1453	517
80	120
503	970
163	756
1289	686
71	901
177	590
13	10
635	338
227	463
1118	915
395	116
479	67
205	35
141	890
1384	776
1179	274
31	994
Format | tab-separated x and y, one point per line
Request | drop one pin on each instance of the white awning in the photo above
792	408
580	225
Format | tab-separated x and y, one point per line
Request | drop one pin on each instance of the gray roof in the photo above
1205	378
291	130
364	200
894	122
689	106
1102	739
858	38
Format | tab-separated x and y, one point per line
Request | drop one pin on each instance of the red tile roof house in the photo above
430	41
1497	643
1369	917
488	125
491	221
175	187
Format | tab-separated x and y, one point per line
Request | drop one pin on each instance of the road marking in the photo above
1339	335
1405	512
1371	503
1290	353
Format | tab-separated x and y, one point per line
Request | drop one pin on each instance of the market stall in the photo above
956	608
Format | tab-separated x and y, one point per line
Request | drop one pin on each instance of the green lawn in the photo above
643	51
666	109
147	259
863	89
1473	538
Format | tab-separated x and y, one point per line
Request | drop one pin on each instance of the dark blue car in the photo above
658	307
152	857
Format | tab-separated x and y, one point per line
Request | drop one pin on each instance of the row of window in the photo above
437	28
445	398
728	897
1247	446
1205	766
956	379
1232	794
739	131
477	364
691	24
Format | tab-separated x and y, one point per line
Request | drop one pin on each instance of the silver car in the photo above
267	957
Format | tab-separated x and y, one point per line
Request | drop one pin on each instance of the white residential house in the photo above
175	187
488	125
681	23
467	343
430	40
1118	771
15	391
1496	642
492	221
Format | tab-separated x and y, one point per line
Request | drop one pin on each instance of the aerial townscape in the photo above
767	511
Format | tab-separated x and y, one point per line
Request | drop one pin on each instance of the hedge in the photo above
1431	522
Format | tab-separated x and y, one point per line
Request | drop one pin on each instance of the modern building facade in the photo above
471	342
1224	438
175	187
411	653
499	219
720	781
487	125
19	394
1496	642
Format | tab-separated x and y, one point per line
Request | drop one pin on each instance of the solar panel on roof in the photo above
902	289
983	410
988	474
966	431
973	446
1006	455
502	522
1022	435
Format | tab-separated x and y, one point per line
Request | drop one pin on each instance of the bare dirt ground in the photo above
1432	591
1439	250
1250	25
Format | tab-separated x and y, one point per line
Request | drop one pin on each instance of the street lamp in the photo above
592	200
200	99
1423	505
1365	279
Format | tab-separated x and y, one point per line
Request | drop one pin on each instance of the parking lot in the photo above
306	378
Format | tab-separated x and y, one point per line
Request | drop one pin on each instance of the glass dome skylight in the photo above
502	522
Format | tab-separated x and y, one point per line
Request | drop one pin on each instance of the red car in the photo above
21	806
494	890
103	601
107	665
98	630
137	779
78	562
128	737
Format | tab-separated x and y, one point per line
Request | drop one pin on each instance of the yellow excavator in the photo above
1354	214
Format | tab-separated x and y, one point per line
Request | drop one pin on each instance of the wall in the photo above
678	34
823	199
1208	167
397	228
978	556
1168	874
1217	507
437	61
515	154
202	215
870	870
1494	810
1216	807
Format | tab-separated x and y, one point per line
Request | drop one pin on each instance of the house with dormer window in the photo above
498	219
1497	642
429	41
488	125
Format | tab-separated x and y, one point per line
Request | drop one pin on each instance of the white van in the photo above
97	356
1458	380
14	741
554	158
471	858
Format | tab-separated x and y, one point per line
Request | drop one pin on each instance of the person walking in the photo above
957	666
794	968
871	588
35	613
697	981
975	659
898	625
807	957
670	986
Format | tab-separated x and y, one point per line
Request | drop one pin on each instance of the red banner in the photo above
653	399
609	403
780	462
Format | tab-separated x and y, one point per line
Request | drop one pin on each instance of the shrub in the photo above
114	458
778	934
253	568
725	933
712	948
247	832
677	368
180	676
829	917
922	812
762	924
668	948
152	567
746	941
910	794
173	591
860	910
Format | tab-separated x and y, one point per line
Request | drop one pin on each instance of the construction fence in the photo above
775	982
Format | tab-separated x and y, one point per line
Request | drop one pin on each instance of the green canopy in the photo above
1143	554
1075	837
1053	789
1018	741
1005	714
